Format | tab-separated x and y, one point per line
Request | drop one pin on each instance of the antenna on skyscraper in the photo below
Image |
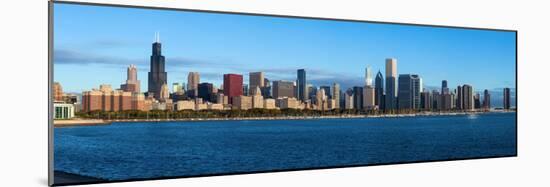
157	37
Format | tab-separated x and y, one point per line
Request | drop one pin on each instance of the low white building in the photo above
63	111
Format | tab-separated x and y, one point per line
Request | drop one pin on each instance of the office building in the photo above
193	79
164	93
426	100
358	97
379	90
444	87
477	101
368	76
327	91
486	99
57	91
336	95
321	99
242	102
255	79
302	91
106	99
157	74
132	83
465	97
368	98
311	90
391	84
257	98
288	103
506	99
283	89
348	100
206	91
269	103
232	86
177	88
266	90
409	91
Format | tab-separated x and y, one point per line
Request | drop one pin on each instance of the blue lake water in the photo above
168	149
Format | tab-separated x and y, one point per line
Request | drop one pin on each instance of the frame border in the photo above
51	4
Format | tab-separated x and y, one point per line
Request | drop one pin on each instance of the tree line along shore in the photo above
254	113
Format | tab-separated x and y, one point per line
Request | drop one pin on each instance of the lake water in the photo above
140	150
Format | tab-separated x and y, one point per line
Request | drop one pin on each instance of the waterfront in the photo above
140	150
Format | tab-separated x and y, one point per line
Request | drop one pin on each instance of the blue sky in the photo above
93	45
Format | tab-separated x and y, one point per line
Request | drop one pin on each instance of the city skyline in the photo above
117	56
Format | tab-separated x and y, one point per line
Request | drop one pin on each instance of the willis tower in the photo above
157	74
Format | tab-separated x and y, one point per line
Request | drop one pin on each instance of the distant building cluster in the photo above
392	92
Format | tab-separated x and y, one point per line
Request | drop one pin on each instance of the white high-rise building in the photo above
368	76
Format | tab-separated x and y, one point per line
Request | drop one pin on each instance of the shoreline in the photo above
97	122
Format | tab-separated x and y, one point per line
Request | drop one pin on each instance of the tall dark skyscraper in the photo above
379	90
409	91
206	91
358	97
302	85
444	88
459	98
157	74
506	98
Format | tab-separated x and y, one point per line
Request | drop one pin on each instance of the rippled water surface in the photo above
167	149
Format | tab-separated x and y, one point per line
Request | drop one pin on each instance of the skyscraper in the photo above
232	86
206	91
368	76
302	92
379	90
321	99
193	79
245	89
132	83
311	90
459	98
426	100
477	101
336	95
368	97
255	80
486	99
391	84
176	88
444	88
327	91
358	97
409	91
157	74
266	90
164	93
283	89
348	100
57	92
506	98
467	99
